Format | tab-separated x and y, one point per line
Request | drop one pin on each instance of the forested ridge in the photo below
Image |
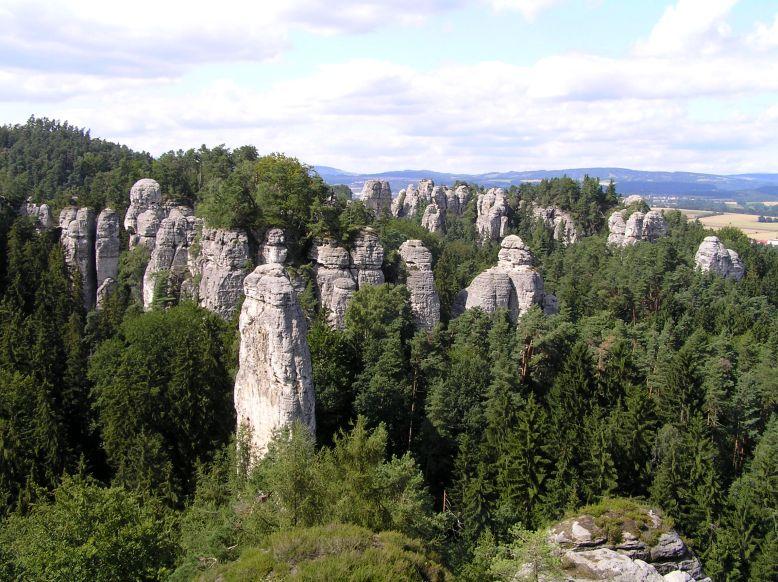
437	452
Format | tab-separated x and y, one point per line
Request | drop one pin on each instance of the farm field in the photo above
748	223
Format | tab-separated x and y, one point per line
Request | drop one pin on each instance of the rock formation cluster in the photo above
492	220
644	550
273	387
713	257
339	273
78	243
170	252
377	196
639	226
513	284
40	212
557	220
433	202
425	303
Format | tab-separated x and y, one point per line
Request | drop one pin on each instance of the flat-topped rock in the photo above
107	246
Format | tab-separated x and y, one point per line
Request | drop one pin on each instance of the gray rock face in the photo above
273	387
40	212
559	221
377	196
222	263
78	242
367	257
644	551
106	288
274	250
425	303
170	253
334	282
513	284
145	213
632	199
492	220
107	246
648	227
713	257
434	219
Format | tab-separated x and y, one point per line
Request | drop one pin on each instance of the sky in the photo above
448	85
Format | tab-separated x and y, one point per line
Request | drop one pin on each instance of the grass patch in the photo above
333	552
615	516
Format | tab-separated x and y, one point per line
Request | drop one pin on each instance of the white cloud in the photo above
764	37
689	26
528	8
564	110
149	38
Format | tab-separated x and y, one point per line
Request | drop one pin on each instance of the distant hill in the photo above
762	186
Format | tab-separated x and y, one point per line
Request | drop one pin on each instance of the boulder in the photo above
273	386
377	196
367	258
335	283
606	564
492	219
107	246
273	249
78	242
145	213
513	284
220	261
638	227
425	303
635	544
170	253
713	257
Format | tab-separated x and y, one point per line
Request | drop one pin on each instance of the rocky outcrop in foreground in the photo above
377	196
425	303
145	213
78	243
713	257
273	387
513	284
639	226
492	220
624	545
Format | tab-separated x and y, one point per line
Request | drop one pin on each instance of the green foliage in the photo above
91	533
296	486
163	397
528	557
333	552
53	162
